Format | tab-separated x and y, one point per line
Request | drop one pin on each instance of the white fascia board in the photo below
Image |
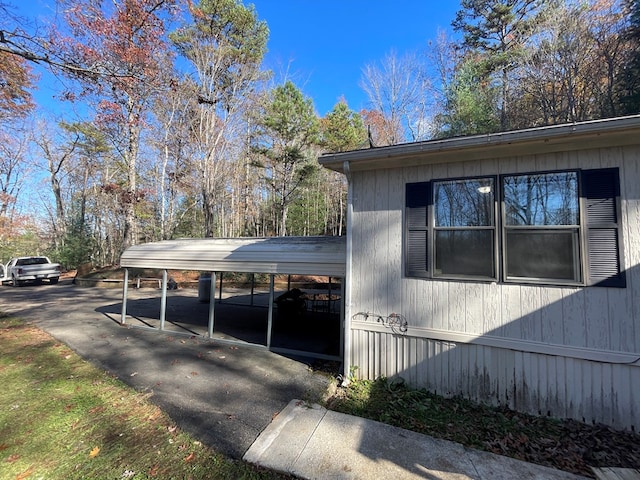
575	136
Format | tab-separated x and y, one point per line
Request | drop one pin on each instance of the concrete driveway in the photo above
224	395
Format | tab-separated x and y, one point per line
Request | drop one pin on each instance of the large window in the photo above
542	226
464	228
552	227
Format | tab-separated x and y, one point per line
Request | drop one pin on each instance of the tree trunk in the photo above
131	156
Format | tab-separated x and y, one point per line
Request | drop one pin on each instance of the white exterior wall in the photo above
562	351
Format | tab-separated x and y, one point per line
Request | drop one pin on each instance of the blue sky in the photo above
326	43
323	45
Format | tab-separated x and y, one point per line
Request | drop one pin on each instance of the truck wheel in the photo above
14	282
53	281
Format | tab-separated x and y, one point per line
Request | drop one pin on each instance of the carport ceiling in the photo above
324	256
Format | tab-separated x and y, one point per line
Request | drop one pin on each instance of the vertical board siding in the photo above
490	310
366	219
558	315
511	311
441	305
592	318
598	320
551	315
381	253
573	316
358	237
538	384
395	236
531	313
457	307
630	196
619	308
474	300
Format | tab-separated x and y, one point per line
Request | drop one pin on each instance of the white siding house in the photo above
504	268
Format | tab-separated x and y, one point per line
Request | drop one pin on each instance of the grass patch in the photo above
566	445
63	418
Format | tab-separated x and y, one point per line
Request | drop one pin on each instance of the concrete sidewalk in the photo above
317	444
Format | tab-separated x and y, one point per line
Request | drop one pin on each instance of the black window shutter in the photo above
417	200
601	192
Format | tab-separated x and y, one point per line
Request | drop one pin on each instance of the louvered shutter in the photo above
417	199
601	193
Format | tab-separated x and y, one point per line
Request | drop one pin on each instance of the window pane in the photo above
543	254
464	203
464	252
544	199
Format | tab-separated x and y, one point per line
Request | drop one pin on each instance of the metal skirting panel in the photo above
561	387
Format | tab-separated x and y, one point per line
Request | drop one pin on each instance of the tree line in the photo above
185	134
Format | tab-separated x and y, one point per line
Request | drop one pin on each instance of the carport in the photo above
319	256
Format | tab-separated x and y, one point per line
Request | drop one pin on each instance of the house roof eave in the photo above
556	138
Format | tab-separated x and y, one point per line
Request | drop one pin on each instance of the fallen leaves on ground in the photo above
575	447
567	445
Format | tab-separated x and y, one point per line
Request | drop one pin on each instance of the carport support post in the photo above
253	285
270	315
125	285
163	300
342	324
212	303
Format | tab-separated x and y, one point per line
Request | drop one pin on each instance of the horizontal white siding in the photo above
594	319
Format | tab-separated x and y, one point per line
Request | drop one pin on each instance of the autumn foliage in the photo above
16	80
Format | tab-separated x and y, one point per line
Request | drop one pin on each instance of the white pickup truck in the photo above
21	270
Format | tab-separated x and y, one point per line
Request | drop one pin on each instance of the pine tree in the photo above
287	130
343	129
497	30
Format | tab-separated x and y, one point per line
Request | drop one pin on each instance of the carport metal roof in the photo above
324	256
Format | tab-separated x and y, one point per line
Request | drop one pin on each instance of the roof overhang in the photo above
324	256
557	138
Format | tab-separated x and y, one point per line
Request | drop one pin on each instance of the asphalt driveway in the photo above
224	395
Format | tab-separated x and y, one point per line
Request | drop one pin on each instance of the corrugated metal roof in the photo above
287	255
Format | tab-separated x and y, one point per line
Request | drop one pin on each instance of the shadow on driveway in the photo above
224	395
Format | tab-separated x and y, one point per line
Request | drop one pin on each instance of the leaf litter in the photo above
566	445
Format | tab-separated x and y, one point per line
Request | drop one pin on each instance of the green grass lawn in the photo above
62	418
